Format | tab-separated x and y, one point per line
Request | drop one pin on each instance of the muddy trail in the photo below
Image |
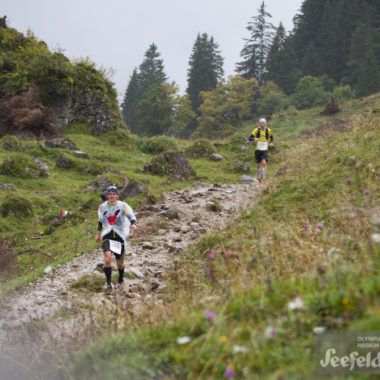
43	310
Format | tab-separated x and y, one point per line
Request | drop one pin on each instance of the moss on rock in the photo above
16	206
200	149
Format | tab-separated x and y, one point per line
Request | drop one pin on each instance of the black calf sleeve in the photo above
121	275
108	273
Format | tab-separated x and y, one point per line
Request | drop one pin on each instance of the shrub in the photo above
237	140
16	206
157	144
344	92
309	93
200	148
272	99
11	143
172	163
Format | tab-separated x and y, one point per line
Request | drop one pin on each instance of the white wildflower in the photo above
376	238
270	332
296	304
183	339
236	349
318	330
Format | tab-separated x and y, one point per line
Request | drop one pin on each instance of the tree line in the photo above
334	48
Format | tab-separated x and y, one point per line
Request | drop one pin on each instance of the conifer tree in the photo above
282	63
131	99
205	68
151	70
257	46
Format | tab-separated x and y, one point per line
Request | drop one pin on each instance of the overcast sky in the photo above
116	33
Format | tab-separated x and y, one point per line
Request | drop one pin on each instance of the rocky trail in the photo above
165	229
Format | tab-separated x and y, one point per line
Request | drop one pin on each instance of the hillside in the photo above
303	260
310	235
42	92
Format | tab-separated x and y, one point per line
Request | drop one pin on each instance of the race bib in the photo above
262	145
115	247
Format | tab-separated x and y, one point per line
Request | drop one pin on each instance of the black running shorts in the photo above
261	155
107	243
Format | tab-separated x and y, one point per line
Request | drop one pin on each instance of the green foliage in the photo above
147	107
200	148
157	144
130	101
327	83
16	206
309	93
27	62
224	109
271	99
154	110
11	143
257	46
205	69
183	116
344	92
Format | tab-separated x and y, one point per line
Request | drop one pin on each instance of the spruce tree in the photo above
282	64
151	70
257	46
142	103
205	70
131	99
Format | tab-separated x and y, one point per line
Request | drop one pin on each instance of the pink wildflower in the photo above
347	181
212	254
229	373
366	192
319	225
228	255
209	314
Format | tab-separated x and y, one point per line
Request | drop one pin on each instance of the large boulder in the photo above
133	189
173	164
200	149
64	162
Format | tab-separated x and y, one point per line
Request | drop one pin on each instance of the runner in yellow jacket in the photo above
261	136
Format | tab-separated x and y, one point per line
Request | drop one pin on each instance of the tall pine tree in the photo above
282	63
131	99
146	85
205	70
151	70
257	46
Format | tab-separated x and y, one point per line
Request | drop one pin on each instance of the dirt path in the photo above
44	302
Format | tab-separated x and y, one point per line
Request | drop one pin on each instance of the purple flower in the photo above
118	285
319	225
209	314
228	255
347	181
306	226
366	192
212	254
229	373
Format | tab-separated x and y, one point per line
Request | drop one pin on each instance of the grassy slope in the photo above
67	190
264	260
